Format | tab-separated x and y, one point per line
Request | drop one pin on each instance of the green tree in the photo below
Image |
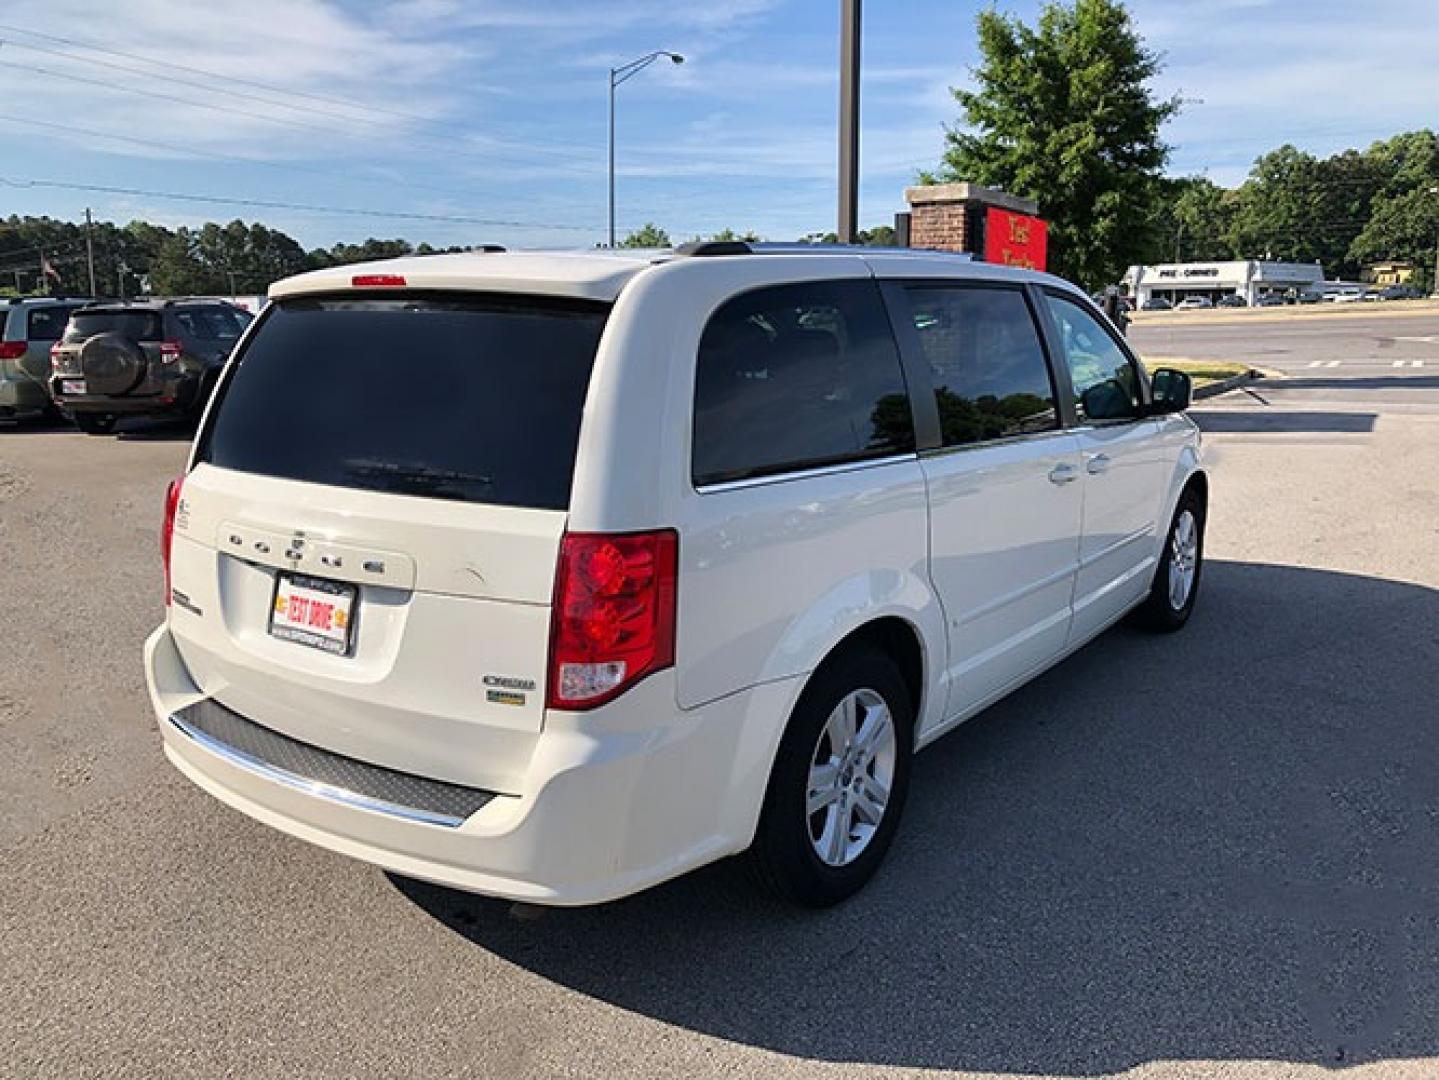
1301	208
648	235
1404	227
1193	221
1063	114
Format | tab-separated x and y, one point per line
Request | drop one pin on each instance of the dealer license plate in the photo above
314	612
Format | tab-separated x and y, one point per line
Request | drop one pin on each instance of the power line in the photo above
170	65
167	73
271	204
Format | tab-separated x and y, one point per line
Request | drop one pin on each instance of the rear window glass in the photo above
135	325
48	323
212	323
792	377
475	398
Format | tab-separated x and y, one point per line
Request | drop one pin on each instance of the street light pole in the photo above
619	75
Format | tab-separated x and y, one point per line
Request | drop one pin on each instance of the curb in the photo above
1223	386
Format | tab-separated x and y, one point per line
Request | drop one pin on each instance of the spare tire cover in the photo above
112	363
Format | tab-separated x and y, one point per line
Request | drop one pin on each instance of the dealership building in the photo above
1250	279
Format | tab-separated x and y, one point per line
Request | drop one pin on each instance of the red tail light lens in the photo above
377	281
12	350
167	531
170	351
614	615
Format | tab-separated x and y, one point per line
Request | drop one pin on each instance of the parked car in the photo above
142	358
1271	300
1399	292
1344	296
28	327
553	576
1192	303
1310	297
1156	303
1232	300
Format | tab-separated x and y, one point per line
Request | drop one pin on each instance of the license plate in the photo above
314	612
72	386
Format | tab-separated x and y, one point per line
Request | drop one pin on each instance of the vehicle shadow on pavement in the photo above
1217	845
1279	421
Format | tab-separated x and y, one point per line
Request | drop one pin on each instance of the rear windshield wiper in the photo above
417	478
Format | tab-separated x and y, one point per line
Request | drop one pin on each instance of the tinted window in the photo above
48	323
137	325
991	380
211	323
1106	386
476	399
797	376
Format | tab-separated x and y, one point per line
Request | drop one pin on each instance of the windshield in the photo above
475	398
137	325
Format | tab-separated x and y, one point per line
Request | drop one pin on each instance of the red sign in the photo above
1012	239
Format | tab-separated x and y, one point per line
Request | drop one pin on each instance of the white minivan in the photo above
554	576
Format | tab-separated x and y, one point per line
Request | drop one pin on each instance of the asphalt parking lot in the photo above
1208	855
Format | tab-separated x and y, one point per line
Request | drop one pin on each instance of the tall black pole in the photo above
89	251
849	121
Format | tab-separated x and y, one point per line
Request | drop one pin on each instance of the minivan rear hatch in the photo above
364	553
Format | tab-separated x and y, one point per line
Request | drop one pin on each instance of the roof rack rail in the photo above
702	248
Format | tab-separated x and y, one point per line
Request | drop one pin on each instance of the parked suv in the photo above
554	576
147	357
28	328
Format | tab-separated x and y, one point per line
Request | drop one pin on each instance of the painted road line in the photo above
1408	363
1324	363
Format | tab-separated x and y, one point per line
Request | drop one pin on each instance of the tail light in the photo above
170	351
614	616
167	531
12	350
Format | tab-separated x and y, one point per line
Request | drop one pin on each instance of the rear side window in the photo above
47	323
211	323
135	325
471	398
991	380
798	376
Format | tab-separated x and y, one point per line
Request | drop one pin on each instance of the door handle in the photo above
1063	473
1097	464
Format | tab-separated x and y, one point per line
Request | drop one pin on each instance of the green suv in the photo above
142	358
28	328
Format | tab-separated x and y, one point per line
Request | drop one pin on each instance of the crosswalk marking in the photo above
1408	363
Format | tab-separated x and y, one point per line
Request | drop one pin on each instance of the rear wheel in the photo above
1176	578
839	781
95	423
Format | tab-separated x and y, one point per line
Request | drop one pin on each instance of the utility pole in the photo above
43	282
89	251
849	35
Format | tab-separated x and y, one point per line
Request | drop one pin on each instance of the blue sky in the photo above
494	111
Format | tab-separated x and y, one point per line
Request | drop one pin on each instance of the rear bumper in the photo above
612	801
21	394
174	393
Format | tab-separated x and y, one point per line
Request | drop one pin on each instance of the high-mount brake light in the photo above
377	281
613	621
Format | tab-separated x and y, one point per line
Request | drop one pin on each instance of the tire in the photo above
1169	605
95	423
786	854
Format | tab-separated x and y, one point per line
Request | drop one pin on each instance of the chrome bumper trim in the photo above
471	798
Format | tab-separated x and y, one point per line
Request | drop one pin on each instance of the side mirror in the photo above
1172	390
